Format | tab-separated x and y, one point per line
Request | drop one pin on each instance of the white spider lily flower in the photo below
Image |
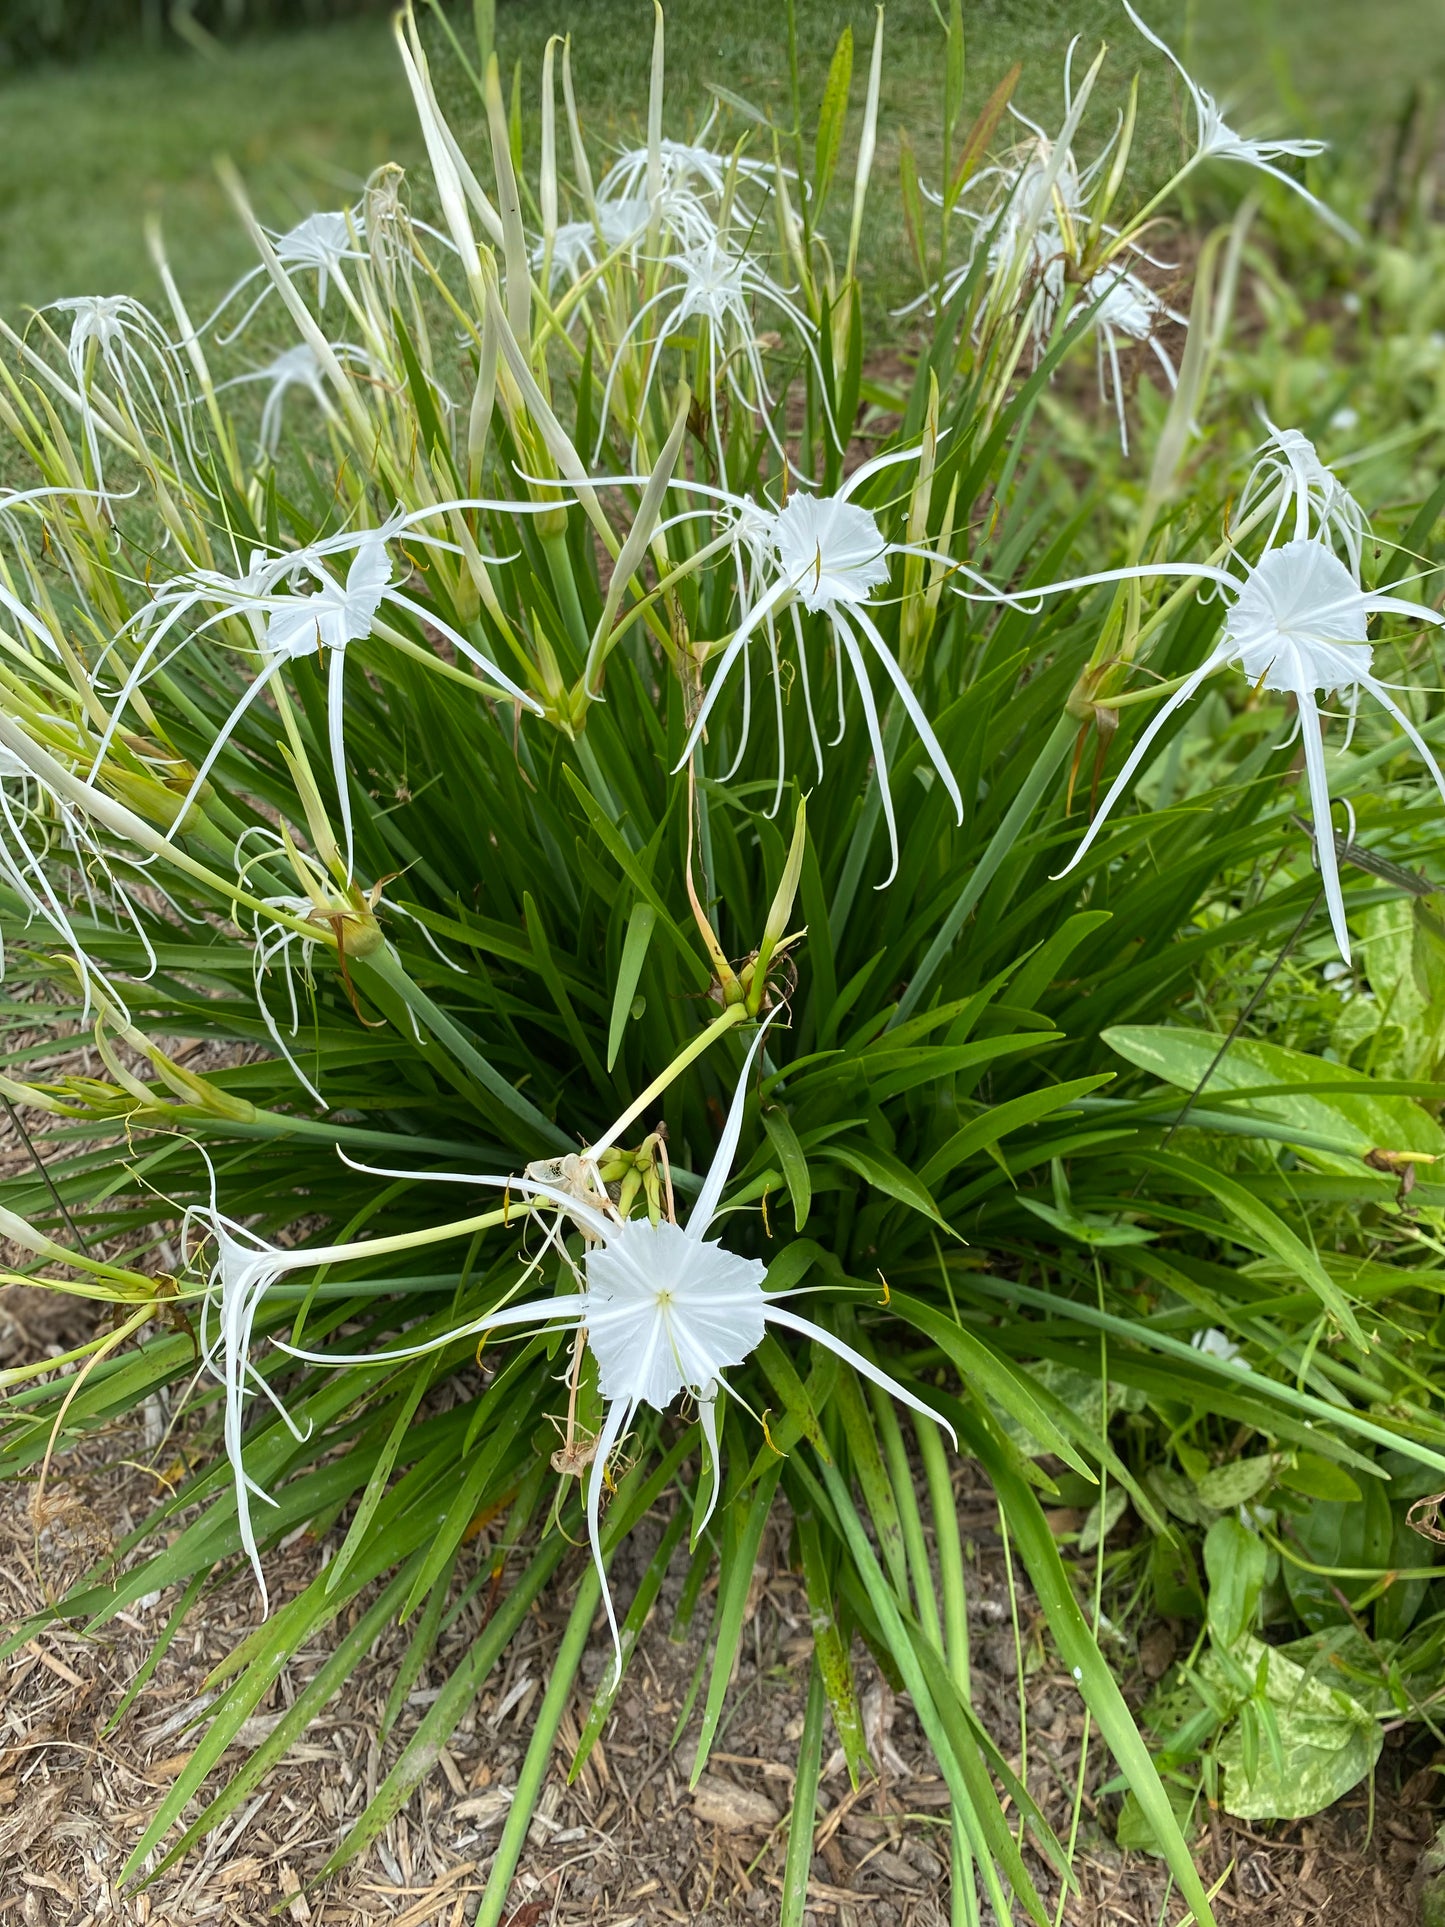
683	164
1213	1343
691	180
1029	227
1215	139
243	1269
320	244
288	625
578	246
1289	478
751	531
1021	228
1127	306
1295	624
295	367
718	284
44	837
1034	204
126	338
667	1311
827	555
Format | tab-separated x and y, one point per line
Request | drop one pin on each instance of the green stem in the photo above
559	563
910	1518
729	1019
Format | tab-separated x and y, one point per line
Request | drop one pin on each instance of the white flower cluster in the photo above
661	265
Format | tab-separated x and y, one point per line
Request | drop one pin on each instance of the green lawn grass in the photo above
89	151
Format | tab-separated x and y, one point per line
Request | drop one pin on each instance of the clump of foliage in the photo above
615	796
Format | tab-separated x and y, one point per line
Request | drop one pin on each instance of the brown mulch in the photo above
628	1843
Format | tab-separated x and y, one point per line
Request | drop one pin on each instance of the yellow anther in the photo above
887	1297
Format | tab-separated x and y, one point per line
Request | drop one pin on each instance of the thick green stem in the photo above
729	1019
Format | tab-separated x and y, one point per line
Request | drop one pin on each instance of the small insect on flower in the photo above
667	1311
1215	139
1296	623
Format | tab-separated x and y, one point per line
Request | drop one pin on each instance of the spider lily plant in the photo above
408	759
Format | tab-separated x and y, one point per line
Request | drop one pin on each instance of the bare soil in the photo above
628	1842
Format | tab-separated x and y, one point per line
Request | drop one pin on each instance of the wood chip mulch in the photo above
628	1842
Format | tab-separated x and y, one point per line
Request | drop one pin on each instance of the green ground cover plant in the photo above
772	914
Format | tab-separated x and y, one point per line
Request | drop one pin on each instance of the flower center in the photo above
830	550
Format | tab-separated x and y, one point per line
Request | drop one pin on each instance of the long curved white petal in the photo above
807	1329
720	1169
1215	660
730	655
910	702
707	1417
1314	750
588	1218
223	736
619	1416
568	1310
1387	702
875	735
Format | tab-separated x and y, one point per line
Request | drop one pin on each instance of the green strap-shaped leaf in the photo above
872	1474
784	1140
461	1688
1262	1224
748	1517
798	1864
962	1768
886	1173
1080	1652
309	1702
832	116
641	923
419	1651
830	1653
990	1376
360	1527
993	1124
